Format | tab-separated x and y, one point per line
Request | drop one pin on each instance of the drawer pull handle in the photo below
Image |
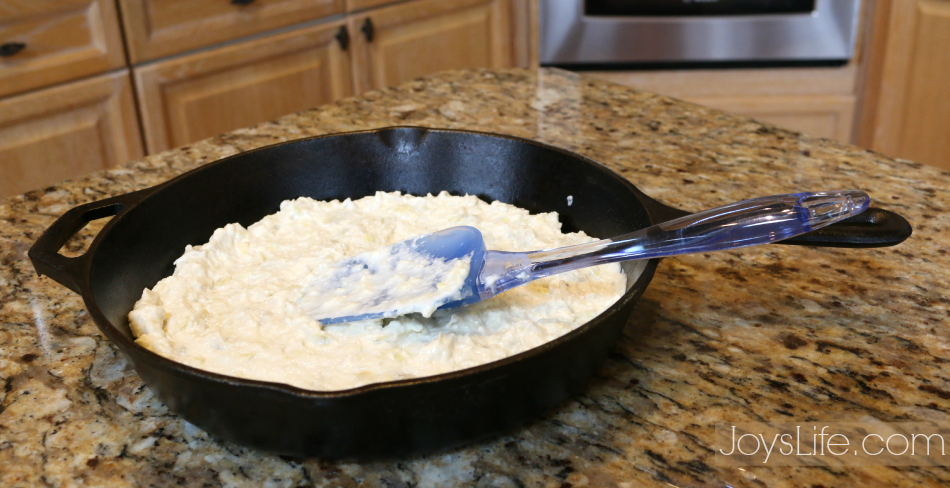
368	30
11	48
343	37
241	2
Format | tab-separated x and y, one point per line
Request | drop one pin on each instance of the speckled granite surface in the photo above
764	334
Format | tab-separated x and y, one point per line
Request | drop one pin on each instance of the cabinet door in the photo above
827	116
66	131
405	41
196	96
52	41
906	109
156	28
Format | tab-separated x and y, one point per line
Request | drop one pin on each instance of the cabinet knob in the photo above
10	48
343	37
368	30
241	2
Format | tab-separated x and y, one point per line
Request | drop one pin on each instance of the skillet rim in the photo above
139	352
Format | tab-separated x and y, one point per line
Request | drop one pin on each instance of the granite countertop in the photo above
780	333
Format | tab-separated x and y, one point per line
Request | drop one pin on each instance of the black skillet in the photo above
152	226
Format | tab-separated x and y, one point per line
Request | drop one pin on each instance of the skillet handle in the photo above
73	272
875	227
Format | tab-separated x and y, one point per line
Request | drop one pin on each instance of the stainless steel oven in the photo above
683	33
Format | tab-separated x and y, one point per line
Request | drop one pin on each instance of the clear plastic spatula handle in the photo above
746	223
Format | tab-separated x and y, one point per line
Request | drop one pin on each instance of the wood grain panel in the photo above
924	134
357	5
875	20
893	71
525	33
66	131
828	116
817	101
426	36
204	94
64	40
738	82
156	28
907	110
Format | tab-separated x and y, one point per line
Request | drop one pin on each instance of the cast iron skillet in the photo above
152	227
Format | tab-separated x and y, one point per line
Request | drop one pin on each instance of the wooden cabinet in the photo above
77	118
905	107
156	28
192	96
816	101
202	68
200	95
404	41
52	41
829	116
58	133
357	5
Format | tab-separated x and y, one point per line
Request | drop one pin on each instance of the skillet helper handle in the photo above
72	272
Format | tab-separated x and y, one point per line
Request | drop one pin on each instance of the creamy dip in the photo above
232	305
391	281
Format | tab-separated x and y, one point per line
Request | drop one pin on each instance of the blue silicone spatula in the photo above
412	275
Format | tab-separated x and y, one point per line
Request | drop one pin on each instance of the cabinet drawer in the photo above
66	131
355	5
828	116
404	41
56	40
200	95
156	28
